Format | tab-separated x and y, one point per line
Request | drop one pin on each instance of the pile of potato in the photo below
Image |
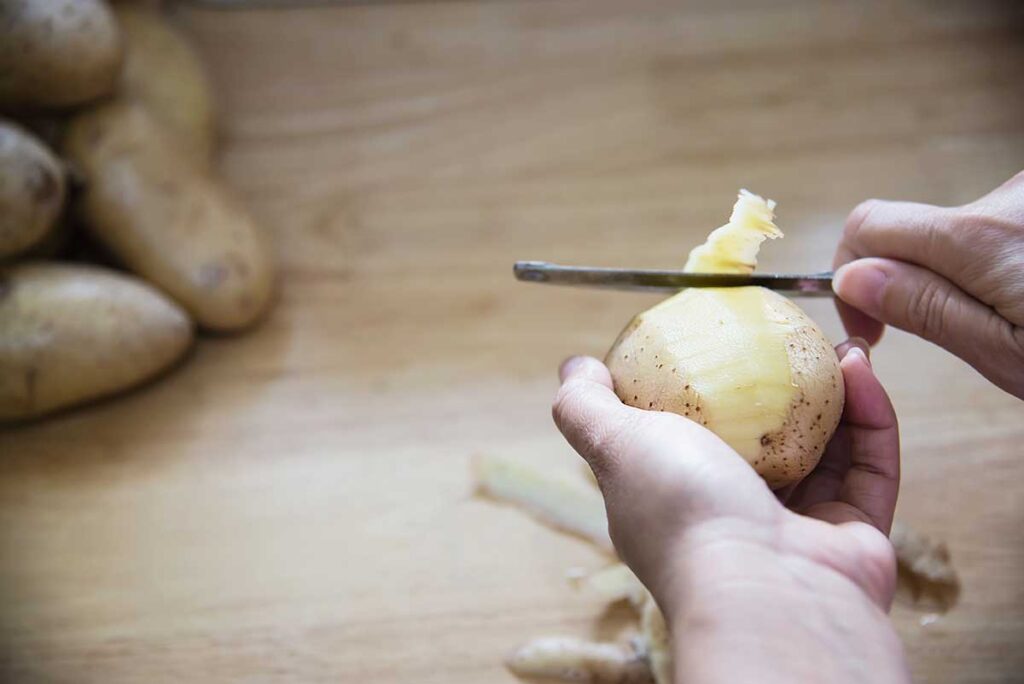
107	133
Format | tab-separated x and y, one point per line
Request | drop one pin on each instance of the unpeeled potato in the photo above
163	72
32	190
56	53
167	218
72	333
745	362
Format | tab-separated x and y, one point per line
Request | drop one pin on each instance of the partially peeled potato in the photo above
745	362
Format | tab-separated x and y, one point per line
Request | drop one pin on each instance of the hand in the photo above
954	276
802	591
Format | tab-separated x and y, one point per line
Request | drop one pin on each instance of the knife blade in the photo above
648	280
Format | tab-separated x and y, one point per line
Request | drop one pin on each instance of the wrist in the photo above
742	608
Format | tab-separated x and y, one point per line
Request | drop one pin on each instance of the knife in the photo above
795	284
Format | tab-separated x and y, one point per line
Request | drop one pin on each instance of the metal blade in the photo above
796	284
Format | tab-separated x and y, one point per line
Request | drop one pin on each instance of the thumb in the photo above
922	302
589	414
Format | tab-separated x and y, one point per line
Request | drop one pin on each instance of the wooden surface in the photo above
295	504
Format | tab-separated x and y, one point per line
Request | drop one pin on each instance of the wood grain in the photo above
295	505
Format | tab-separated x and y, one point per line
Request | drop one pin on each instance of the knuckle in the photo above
610	440
597	438
858	218
930	310
567	402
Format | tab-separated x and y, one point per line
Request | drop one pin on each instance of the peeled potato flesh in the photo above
745	362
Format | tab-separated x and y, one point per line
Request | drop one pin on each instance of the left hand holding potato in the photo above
801	588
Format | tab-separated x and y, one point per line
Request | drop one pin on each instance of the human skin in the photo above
756	585
952	275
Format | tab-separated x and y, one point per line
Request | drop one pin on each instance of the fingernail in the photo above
861	344
858	353
860	285
569	366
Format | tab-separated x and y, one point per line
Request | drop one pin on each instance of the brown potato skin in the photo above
56	53
791	452
32	190
162	214
788	453
164	73
73	333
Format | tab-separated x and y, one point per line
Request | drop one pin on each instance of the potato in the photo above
72	333
167	218
56	53
745	362
32	190
163	72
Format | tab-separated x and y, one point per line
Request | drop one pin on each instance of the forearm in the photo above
746	612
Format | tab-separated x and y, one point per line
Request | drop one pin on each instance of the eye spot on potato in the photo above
42	185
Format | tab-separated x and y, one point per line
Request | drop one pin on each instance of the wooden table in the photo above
295	504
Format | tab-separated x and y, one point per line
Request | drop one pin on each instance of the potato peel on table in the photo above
569	659
614	583
571	505
654	631
927	579
563	503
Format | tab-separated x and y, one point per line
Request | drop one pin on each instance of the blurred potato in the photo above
73	333
166	217
32	190
56	53
163	72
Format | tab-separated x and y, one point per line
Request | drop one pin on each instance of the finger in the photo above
585	367
966	245
843	348
872	480
858	324
919	301
589	414
824	483
909	231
